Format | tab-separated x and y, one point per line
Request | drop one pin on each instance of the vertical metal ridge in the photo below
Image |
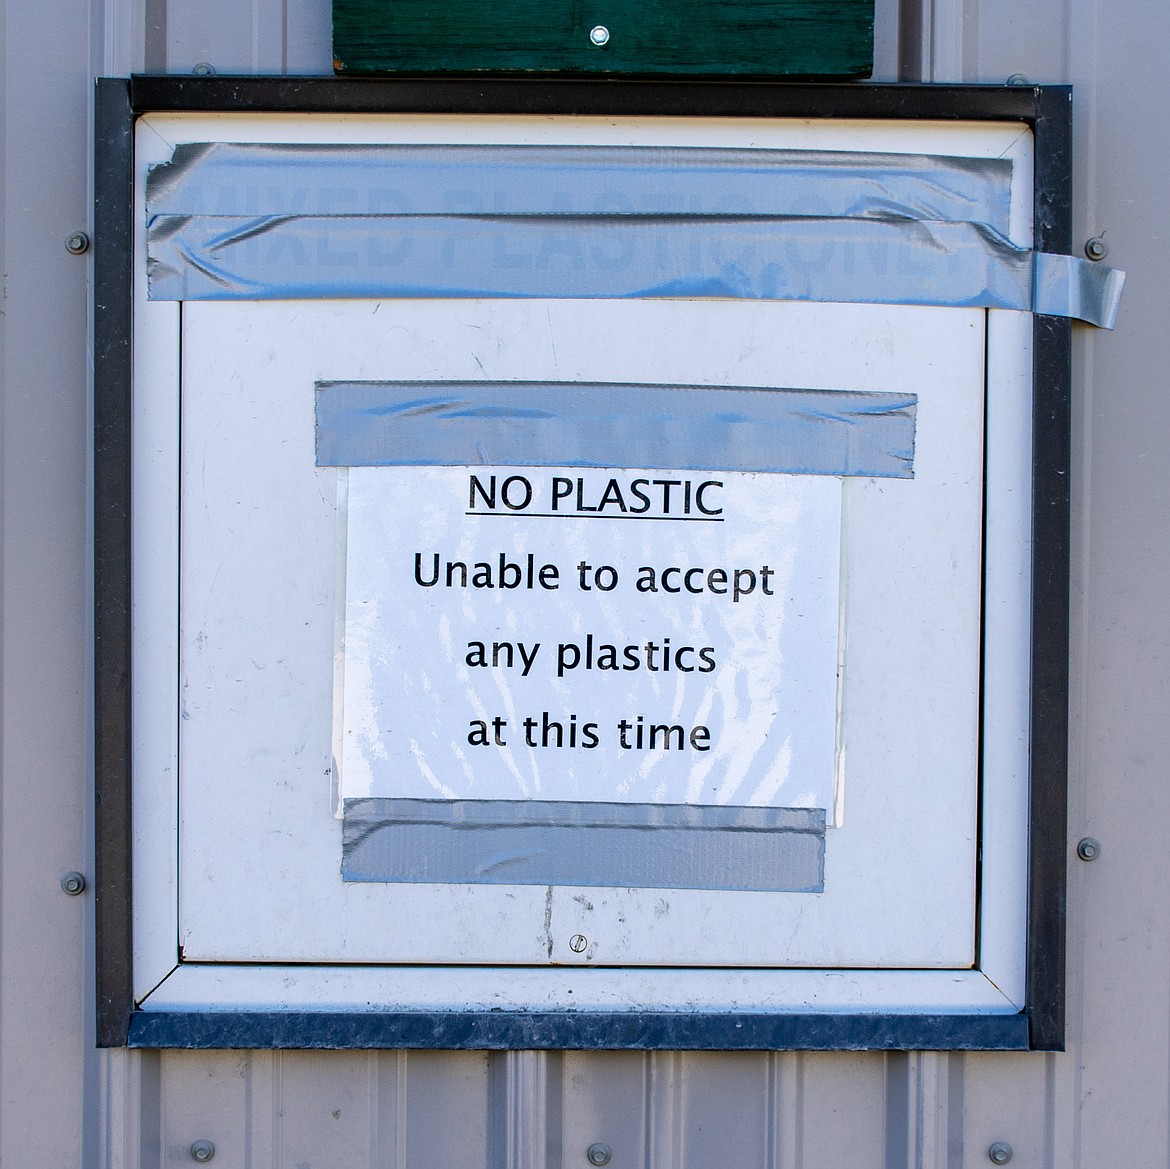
261	1135
800	1062
785	1107
520	1136
930	1106
955	1106
129	1091
388	1072
912	22
775	1151
1053	1102
268	31
401	1115
276	1104
374	1112
917	1112
665	1075
154	20
897	1104
946	41
554	1131
933	41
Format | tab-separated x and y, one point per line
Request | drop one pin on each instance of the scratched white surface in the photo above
260	601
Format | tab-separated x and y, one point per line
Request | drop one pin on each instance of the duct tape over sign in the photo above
593	651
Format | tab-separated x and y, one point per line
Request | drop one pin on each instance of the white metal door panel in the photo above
257	651
256	514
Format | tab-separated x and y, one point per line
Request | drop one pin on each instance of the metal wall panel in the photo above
1107	1098
1104	1102
540	1110
1121	935
255	36
325	1109
44	1044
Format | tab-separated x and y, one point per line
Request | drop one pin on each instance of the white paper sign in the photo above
635	636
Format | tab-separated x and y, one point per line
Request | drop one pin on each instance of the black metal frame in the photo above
1040	1026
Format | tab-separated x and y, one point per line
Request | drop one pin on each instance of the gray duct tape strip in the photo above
529	842
840	260
1066	286
264	222
266	179
559	424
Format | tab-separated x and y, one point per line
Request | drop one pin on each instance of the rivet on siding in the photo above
77	243
73	883
1019	79
577	943
1088	849
204	69
599	35
598	1154
1000	1153
202	1151
1096	248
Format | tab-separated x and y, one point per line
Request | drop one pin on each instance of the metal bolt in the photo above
598	1154
1019	79
1088	848
202	1151
1096	248
577	944
77	243
1000	1153
204	69
73	883
599	35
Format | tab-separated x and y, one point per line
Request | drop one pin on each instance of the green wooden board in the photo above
709	38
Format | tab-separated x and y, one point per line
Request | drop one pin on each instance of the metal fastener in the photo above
599	34
202	1151
73	883
1096	248
1019	79
77	243
204	69
598	1154
1088	848
577	943
1000	1153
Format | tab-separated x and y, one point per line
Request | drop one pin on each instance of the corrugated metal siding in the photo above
535	1110
1103	1103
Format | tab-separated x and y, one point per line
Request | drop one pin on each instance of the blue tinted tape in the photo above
575	424
265	179
842	260
530	842
1067	286
258	221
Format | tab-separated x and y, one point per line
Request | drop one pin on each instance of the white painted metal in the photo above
241	412
1103	1103
195	985
155	445
244	423
1005	678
